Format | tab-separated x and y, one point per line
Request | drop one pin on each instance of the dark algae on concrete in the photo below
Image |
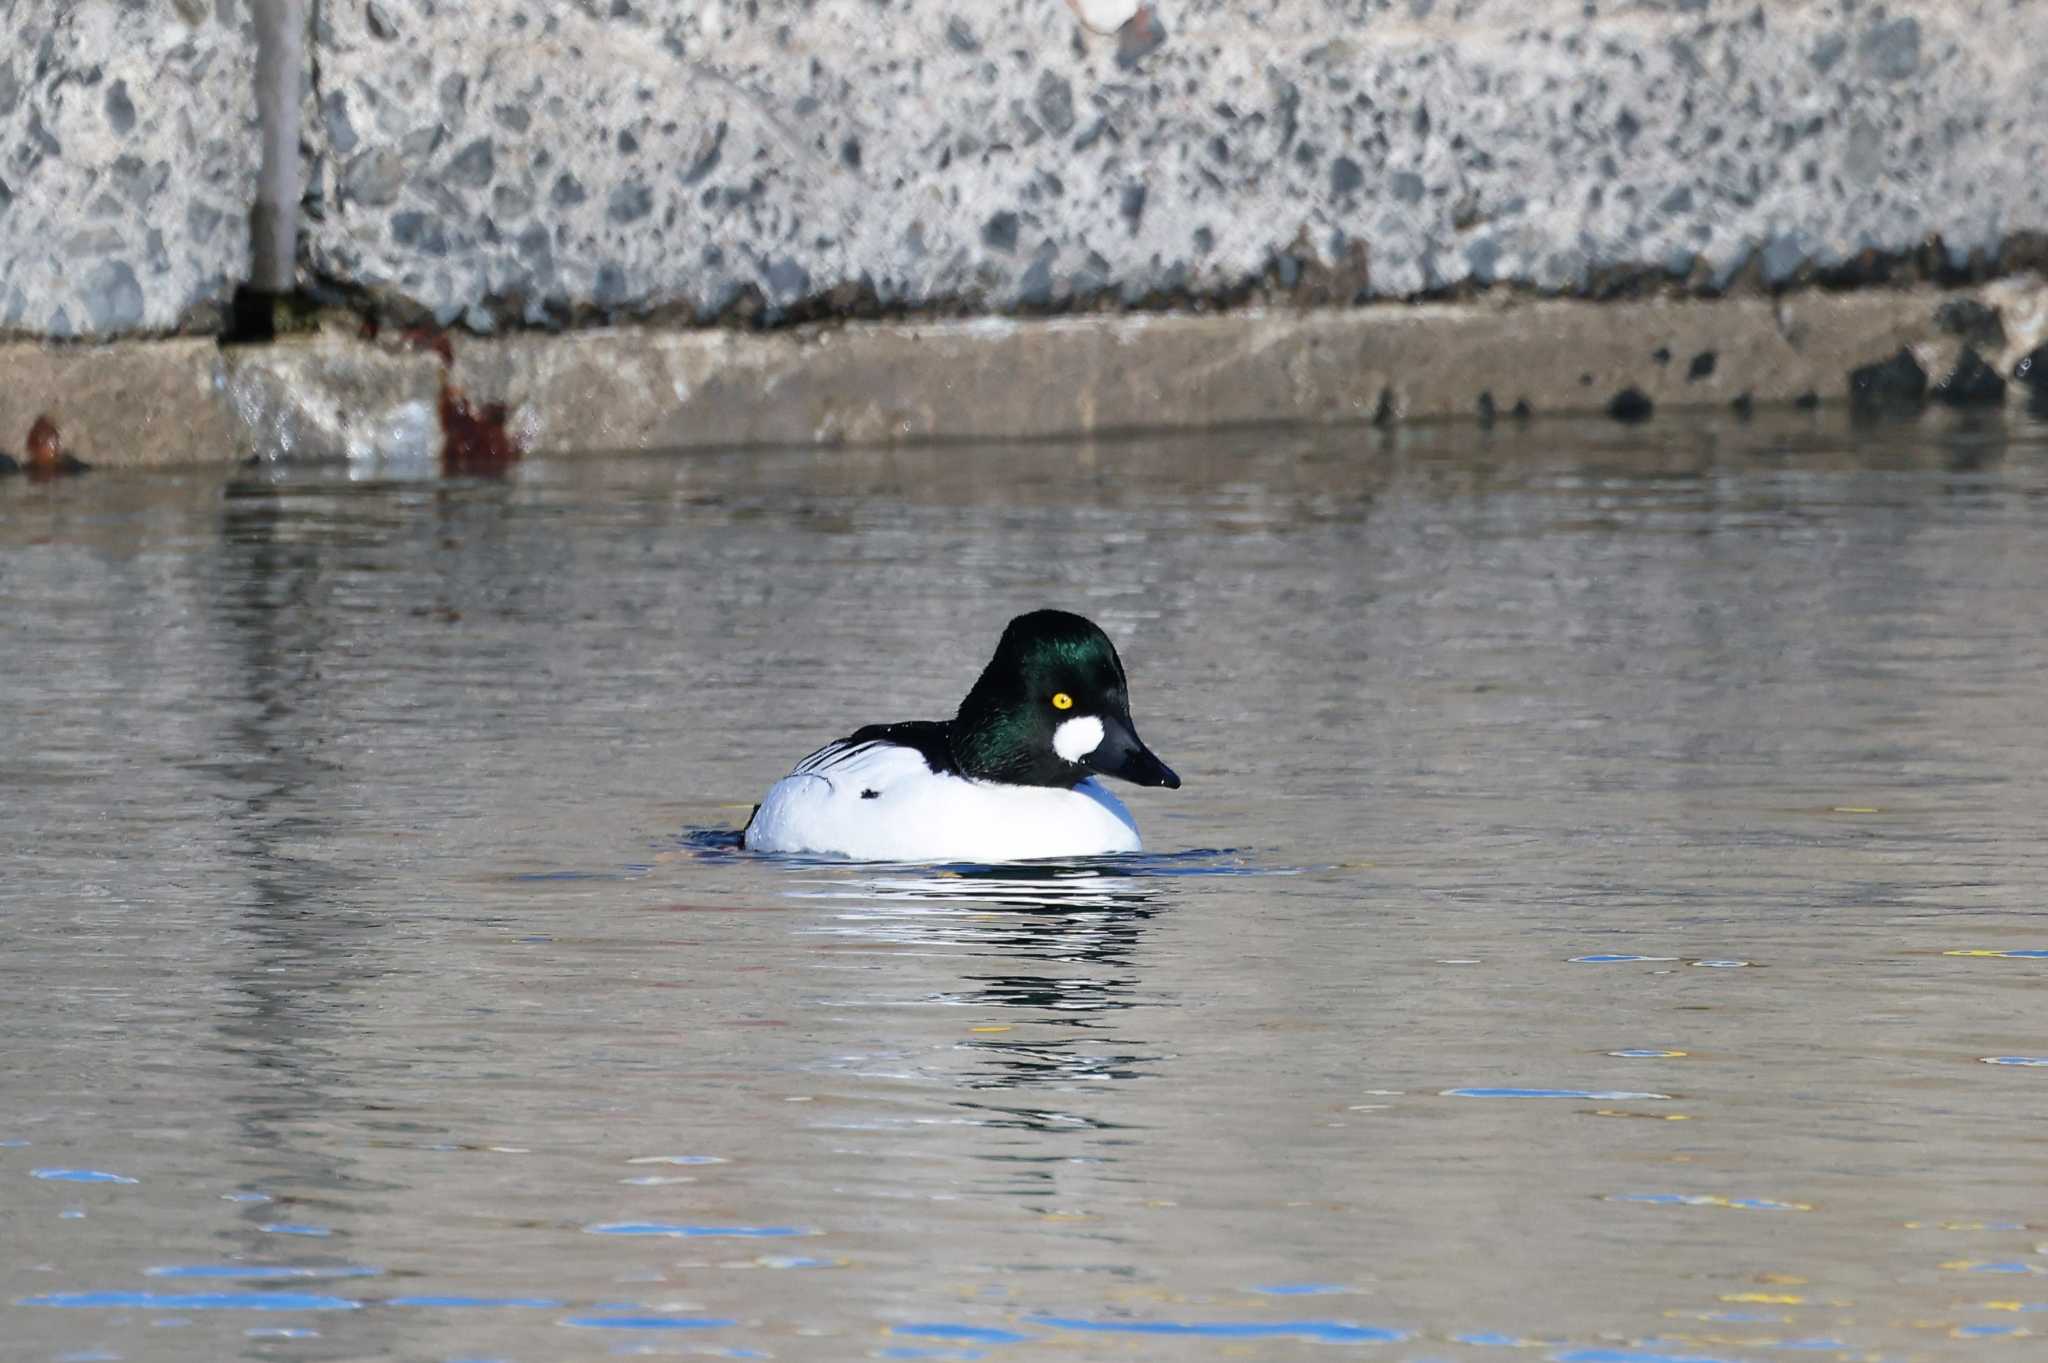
1972	383
1896	384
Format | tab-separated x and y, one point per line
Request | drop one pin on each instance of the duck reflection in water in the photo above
1082	923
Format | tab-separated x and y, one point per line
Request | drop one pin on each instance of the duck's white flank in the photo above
881	802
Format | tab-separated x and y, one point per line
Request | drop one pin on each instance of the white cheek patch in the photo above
1076	738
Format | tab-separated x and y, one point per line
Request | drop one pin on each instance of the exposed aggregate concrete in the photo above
127	165
507	165
516	162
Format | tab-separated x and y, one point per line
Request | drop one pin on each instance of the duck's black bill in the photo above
1122	754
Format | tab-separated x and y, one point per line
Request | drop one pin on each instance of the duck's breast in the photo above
951	818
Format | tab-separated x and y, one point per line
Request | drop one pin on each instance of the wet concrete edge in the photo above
418	398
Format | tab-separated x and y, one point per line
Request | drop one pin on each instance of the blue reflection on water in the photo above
1635	1355
290	1228
1755	1204
1326	1331
1603	1095
542	1303
1302	1289
975	1334
82	1176
645	1322
197	1301
695	1232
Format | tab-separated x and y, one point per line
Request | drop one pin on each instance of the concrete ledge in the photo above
383	404
126	403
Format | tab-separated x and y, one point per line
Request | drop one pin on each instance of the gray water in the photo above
1607	862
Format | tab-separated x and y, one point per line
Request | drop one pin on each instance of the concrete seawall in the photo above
695	161
409	402
512	170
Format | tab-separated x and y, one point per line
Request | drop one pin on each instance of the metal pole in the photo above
280	85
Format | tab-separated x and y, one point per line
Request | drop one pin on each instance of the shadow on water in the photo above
1087	918
305	950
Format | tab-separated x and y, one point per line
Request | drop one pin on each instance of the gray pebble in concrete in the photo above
999	233
788	280
1783	256
1131	205
125	145
1481	257
630	202
568	191
113	297
473	166
1055	103
1891	49
120	108
341	134
374	178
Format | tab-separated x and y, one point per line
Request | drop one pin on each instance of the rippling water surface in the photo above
1604	920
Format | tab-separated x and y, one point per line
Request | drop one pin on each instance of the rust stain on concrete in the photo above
46	456
476	442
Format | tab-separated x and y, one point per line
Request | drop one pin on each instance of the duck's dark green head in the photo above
1051	709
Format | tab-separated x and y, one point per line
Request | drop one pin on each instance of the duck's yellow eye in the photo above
1062	701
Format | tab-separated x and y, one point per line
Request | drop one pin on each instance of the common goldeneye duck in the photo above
1009	778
